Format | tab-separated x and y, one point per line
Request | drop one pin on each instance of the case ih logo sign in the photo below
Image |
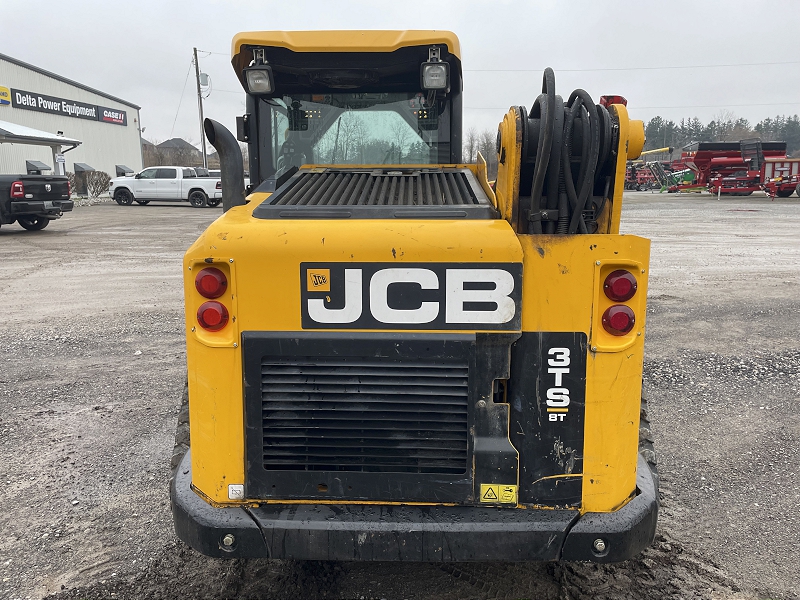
112	116
68	108
411	296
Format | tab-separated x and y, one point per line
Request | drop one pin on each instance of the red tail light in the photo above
609	100
17	190
211	283
212	316
618	319
69	188
219	185
620	286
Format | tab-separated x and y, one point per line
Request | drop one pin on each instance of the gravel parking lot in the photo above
92	368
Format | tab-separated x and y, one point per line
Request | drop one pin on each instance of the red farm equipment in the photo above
781	177
639	175
731	168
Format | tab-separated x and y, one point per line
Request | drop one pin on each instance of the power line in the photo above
668	67
724	105
635	107
764	64
191	64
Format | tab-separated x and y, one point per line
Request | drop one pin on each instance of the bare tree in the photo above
97	183
470	145
400	135
723	125
487	140
72	182
186	156
152	155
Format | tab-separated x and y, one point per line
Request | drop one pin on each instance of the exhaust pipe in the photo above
231	163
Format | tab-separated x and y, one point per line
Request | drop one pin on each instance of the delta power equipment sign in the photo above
67	108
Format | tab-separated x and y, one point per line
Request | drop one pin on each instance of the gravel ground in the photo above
92	368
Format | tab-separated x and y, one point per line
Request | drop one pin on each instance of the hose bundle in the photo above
566	148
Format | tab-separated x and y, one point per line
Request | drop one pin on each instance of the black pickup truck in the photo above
33	200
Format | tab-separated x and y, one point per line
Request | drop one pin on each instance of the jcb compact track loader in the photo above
391	357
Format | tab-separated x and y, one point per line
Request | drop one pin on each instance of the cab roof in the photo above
346	40
339	41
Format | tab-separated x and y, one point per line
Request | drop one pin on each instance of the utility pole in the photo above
200	107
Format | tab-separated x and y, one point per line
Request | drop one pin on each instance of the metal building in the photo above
107	126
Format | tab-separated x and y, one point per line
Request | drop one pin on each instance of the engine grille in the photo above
378	193
386	188
364	415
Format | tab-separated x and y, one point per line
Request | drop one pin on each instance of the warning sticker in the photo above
499	493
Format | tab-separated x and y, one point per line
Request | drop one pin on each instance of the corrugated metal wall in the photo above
104	144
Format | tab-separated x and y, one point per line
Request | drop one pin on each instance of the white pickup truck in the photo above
168	184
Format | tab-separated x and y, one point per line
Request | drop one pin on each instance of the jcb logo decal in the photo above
414	296
319	280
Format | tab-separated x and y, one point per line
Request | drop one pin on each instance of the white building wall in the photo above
104	144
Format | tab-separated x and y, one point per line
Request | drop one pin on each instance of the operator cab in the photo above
347	104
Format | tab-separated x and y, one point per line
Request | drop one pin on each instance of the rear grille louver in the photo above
379	188
385	193
364	415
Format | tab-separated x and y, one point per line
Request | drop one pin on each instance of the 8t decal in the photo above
558	362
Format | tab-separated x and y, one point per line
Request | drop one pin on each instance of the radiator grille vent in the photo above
379	188
364	415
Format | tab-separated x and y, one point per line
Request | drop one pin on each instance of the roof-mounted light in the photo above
259	76
435	74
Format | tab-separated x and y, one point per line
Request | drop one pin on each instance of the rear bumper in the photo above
412	533
50	209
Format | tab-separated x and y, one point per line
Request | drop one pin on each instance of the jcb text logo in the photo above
411	296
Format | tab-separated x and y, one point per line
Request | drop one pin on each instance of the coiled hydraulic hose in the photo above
556	138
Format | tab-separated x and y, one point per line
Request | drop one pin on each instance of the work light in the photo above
259	79
435	75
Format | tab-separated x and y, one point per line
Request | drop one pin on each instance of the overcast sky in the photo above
141	51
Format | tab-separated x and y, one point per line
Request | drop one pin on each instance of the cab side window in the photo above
148	174
167	174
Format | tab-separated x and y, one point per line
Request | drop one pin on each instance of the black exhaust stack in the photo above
230	163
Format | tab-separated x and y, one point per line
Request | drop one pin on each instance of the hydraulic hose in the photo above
567	145
544	109
581	102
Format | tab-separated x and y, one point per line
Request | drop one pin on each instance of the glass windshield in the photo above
357	128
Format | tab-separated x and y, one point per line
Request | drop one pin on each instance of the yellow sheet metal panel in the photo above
346	41
562	292
631	142
216	409
611	437
508	167
215	386
264	294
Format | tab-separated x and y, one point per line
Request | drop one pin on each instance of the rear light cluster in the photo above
619	286
17	190
211	283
